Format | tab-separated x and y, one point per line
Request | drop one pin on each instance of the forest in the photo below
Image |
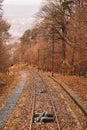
57	42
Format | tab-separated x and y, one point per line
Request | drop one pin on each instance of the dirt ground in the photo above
77	84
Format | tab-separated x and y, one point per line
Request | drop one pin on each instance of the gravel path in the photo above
8	108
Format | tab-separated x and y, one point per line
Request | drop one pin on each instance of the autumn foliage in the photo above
64	24
4	52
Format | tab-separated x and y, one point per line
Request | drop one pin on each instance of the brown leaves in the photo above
77	84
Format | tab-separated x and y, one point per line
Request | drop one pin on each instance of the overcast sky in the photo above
28	2
20	14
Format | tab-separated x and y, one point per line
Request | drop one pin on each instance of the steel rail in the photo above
33	106
52	103
57	121
51	100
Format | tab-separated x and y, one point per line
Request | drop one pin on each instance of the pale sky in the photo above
28	2
20	14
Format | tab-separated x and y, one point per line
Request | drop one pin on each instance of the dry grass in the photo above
9	82
77	84
17	67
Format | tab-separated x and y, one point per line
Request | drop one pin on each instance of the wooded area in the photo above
4	49
58	41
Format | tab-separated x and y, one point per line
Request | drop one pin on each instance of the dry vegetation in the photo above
9	82
77	84
61	35
67	31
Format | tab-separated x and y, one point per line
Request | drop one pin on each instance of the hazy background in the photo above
20	14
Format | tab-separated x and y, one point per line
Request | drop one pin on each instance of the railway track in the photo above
47	100
46	107
44	114
77	106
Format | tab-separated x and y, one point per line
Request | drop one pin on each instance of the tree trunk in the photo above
64	44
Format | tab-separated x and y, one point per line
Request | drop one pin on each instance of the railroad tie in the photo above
44	117
40	91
